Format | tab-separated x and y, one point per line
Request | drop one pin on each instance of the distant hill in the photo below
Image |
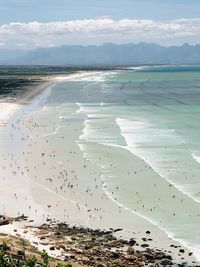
107	54
11	55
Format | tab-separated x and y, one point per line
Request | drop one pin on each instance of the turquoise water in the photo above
150	120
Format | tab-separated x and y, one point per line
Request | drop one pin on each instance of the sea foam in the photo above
140	135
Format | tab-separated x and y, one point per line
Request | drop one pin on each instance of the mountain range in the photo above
106	54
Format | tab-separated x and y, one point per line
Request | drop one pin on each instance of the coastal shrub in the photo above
45	259
4	259
7	260
31	262
64	265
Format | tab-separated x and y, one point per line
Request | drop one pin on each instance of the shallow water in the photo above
152	113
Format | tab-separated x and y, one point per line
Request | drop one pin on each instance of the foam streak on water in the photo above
196	158
139	137
137	134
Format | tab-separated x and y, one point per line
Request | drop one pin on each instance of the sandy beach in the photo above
9	106
46	175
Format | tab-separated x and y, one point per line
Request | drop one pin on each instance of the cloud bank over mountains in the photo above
106	54
97	31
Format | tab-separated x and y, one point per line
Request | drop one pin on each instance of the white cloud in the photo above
2	44
99	30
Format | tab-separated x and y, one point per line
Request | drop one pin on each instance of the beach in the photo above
61	148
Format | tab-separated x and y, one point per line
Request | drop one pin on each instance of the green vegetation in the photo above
48	70
9	260
14	86
25	71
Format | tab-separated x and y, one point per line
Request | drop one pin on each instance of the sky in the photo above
28	24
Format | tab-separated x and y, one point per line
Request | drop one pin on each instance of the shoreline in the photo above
9	106
54	82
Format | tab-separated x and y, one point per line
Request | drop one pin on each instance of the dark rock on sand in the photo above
144	245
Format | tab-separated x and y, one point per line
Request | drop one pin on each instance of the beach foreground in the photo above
85	247
49	175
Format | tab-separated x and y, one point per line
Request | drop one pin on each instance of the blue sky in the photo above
53	10
163	21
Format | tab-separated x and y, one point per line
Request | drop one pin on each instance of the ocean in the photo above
153	114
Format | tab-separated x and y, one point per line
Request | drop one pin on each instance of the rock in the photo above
101	265
130	250
20	253
88	246
117	230
100	248
169	257
144	245
62	247
121	263
132	242
148	232
181	250
4	222
72	257
21	218
58	234
130	258
115	255
67	258
166	263
86	260
91	258
148	256
79	252
44	243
